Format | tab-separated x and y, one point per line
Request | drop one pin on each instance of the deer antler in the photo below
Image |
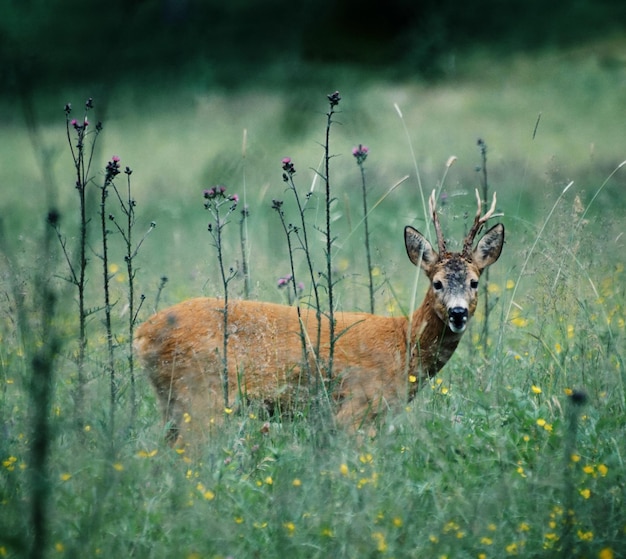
432	207
478	223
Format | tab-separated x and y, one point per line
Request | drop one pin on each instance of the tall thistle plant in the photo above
360	154
124	228
333	102
78	132
221	206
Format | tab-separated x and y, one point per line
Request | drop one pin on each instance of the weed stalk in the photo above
215	199
360	153
243	245
127	205
82	158
301	233
288	228
333	99
111	171
482	147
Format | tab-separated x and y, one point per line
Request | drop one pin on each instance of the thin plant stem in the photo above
128	209
302	235
243	223
112	170
289	229
82	165
482	146
215	198
532	249
360	154
334	99
243	245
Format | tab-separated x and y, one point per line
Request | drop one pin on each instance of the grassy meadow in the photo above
516	448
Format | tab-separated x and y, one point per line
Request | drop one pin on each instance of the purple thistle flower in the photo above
288	167
360	153
282	282
112	169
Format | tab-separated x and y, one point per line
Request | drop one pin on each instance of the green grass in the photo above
484	463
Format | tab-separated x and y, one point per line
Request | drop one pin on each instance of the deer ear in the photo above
489	247
420	251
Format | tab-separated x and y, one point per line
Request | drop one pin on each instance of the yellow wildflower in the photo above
147	453
585	536
381	543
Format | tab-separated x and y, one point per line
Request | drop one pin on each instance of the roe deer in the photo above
181	347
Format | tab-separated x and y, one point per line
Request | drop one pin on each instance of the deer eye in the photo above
474	284
437	285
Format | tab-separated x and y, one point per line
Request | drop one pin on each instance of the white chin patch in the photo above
457	329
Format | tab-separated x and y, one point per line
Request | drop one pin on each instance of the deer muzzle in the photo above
457	319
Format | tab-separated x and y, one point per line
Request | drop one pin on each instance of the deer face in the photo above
454	276
454	283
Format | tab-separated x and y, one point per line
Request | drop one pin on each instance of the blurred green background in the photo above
232	43
196	93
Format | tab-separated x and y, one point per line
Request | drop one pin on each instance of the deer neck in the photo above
432	343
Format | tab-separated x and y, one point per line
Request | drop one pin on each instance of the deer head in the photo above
454	275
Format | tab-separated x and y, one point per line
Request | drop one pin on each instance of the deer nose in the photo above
458	318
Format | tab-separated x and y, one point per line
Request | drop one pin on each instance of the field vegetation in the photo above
515	449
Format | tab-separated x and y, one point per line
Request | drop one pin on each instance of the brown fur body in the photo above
379	362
